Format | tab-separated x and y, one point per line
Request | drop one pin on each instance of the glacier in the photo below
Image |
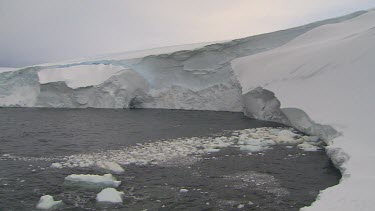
317	78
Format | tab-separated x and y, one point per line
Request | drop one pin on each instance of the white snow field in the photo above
328	73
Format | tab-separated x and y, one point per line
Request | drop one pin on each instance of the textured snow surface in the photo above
328	73
105	180
110	195
47	202
197	76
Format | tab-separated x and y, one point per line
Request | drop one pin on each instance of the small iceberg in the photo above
308	147
211	150
111	166
288	137
110	195
107	180
47	202
184	190
252	148
56	165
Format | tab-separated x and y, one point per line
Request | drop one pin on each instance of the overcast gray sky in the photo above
38	31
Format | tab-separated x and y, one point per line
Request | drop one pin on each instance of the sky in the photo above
40	31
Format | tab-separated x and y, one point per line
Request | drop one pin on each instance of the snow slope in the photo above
197	76
328	72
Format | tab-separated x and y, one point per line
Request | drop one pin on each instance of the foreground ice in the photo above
47	202
327	73
106	180
110	195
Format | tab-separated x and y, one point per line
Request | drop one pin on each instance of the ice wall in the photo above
199	78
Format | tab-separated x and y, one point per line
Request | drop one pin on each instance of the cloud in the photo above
42	30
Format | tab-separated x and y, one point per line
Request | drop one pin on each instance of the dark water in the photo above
277	179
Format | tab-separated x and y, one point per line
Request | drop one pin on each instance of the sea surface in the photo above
281	178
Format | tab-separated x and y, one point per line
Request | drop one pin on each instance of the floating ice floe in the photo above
111	166
47	202
110	195
183	190
56	165
106	180
308	147
240	206
210	150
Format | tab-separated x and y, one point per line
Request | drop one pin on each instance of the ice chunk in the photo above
210	150
240	206
56	165
308	147
183	190
47	202
111	166
288	137
110	195
287	133
252	148
105	180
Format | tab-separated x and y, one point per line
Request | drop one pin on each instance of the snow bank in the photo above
110	195
47	202
328	74
105	180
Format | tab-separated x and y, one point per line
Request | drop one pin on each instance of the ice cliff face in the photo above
182	77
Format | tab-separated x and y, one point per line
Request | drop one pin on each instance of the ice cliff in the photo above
197	76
